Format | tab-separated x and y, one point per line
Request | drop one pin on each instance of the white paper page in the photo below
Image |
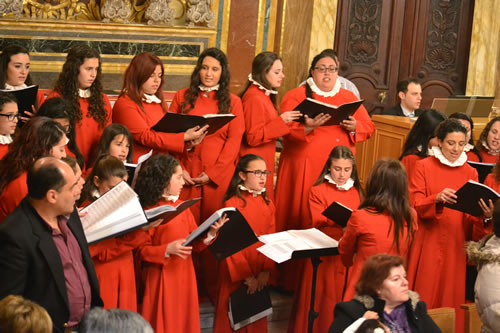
276	237
282	251
315	238
158	210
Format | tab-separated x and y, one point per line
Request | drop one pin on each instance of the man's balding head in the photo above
48	173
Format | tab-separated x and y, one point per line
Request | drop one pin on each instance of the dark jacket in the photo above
397	111
346	313
30	264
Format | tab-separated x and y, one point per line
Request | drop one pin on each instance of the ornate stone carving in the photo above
11	7
364	30
159	12
116	10
199	13
443	35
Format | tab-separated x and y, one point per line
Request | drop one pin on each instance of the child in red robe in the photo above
8	121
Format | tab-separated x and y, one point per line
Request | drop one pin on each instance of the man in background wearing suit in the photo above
44	255
410	93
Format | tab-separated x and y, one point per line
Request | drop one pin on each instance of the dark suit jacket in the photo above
397	111
30	264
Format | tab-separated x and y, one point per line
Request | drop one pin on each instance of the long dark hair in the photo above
154	177
422	131
7	53
337	153
222	95
35	140
261	65
484	134
6	98
242	166
387	192
67	84
108	135
58	108
464	116
326	53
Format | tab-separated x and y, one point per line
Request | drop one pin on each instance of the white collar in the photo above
84	93
317	91
439	155
208	89
151	99
490	151
346	187
429	150
407	112
5	139
172	198
9	87
95	194
261	87
468	147
252	192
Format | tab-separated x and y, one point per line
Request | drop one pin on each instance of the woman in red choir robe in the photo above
436	264
170	300
141	105
493	181
471	151
306	148
247	267
209	165
263	125
15	71
338	182
420	139
384	222
489	141
113	258
8	121
80	83
39	137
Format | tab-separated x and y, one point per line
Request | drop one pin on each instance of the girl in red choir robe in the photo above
337	182
15	72
247	193
80	83
384	222
420	139
436	263
113	258
60	110
489	141
8	121
209	165
170	300
141	105
306	148
39	137
116	141
471	151
263	124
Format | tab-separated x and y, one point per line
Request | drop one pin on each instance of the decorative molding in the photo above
364	31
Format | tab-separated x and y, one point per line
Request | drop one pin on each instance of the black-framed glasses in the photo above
259	173
324	69
11	116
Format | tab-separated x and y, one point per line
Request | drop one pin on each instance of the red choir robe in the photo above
437	261
12	195
40	97
369	233
331	273
478	233
4	148
487	157
301	161
263	126
409	161
170	300
216	155
5	141
139	122
235	269
88	131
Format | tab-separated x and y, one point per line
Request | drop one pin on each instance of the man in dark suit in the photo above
410	93
44	255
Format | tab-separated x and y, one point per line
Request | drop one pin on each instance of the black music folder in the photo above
26	98
339	113
338	213
468	196
245	309
168	212
178	123
483	169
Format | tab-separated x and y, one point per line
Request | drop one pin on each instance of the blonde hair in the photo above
19	315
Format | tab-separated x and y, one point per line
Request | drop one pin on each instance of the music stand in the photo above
315	255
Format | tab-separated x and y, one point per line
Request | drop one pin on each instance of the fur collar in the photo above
369	301
486	251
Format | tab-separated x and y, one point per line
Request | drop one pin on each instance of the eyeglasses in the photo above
259	173
11	116
324	69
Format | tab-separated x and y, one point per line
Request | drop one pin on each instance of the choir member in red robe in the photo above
15	72
420	139
80	84
488	143
170	300
306	148
8	121
141	105
384	222
263	124
471	151
247	192
39	137
116	140
436	264
337	182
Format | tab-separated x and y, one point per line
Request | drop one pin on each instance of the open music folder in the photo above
178	122
134	168
469	195
245	309
338	113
